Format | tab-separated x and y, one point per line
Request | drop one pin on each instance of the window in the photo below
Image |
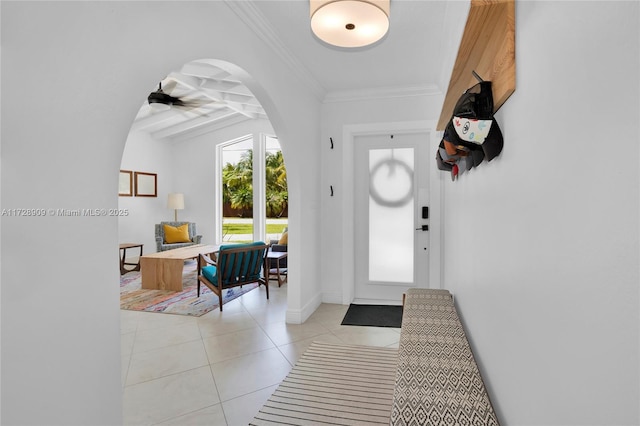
253	206
237	190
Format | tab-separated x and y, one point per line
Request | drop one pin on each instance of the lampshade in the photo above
176	201
349	23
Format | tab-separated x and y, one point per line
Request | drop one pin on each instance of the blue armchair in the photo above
160	239
235	265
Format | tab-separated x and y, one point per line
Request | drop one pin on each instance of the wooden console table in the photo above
123	262
163	270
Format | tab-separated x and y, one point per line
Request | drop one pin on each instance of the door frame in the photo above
436	183
412	150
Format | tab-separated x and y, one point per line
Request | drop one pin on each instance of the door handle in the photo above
423	228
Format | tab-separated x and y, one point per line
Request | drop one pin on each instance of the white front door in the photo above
391	210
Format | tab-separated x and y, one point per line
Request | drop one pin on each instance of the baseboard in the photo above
299	316
376	302
333	298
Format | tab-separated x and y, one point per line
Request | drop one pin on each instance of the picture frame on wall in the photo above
146	184
125	183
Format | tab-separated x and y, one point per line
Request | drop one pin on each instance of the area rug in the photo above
134	298
335	385
373	315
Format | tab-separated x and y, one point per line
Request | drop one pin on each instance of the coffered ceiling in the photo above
416	55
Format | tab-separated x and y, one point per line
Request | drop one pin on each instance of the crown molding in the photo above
252	17
382	93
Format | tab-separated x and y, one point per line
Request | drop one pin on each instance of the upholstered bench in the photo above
437	379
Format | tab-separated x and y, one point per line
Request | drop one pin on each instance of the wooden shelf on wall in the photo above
488	47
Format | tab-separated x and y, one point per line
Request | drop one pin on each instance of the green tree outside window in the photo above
237	183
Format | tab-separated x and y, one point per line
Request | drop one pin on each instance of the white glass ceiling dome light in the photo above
349	23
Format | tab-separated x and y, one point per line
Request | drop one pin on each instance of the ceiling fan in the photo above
164	99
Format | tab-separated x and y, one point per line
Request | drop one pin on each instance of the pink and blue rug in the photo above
134	298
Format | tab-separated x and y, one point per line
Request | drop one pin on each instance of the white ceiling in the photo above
221	100
403	57
413	54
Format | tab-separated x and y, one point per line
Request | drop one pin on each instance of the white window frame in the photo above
259	185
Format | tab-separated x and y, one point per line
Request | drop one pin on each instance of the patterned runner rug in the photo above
134	298
334	385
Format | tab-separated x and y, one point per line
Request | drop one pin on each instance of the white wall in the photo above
182	166
73	76
342	111
194	173
142	153
549	289
541	244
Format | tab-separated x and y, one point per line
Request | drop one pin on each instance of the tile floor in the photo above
220	368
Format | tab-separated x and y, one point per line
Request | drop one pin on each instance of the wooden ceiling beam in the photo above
189	125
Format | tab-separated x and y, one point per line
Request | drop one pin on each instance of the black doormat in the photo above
374	315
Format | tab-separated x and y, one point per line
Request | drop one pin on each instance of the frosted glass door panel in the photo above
391	210
389	189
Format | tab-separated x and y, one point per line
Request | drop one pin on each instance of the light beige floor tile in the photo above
124	368
153	320
228	346
210	416
225	323
166	350
367	336
269	314
329	315
277	292
169	397
128	321
126	343
294	351
156	338
330	309
258	297
240	411
166	361
249	373
282	333
233	306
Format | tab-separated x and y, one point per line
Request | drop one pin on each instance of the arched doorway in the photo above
64	149
176	137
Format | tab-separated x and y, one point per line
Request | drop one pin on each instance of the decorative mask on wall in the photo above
472	134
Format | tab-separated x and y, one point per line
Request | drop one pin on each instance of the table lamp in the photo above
176	202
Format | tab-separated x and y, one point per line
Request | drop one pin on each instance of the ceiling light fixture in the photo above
349	23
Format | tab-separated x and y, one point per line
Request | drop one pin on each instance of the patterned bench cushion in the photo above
437	379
